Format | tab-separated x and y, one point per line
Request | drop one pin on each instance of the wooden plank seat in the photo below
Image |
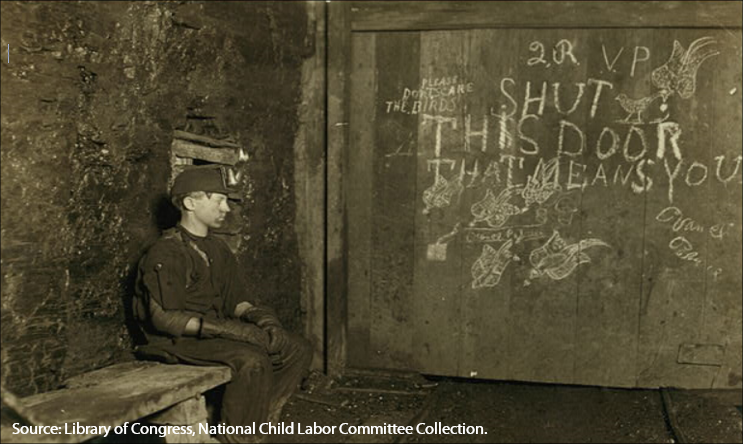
127	392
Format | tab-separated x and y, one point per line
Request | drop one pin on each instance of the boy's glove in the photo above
234	330
263	317
278	339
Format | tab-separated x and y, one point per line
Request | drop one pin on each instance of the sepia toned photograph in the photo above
329	221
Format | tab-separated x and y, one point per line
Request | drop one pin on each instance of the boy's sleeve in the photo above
170	322
164	281
234	285
164	278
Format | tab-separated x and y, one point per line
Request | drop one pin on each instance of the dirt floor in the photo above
511	412
506	411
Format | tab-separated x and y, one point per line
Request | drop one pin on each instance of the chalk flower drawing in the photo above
557	259
440	193
488	268
496	210
539	188
677	76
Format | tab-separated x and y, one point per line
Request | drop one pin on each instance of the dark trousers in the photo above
260	385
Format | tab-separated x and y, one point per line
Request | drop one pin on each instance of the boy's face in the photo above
211	209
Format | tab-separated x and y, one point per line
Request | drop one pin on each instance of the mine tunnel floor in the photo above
507	411
512	412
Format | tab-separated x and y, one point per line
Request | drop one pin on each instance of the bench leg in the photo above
191	412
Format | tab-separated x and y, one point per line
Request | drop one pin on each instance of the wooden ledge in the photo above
117	394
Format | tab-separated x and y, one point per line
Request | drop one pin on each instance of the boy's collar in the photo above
191	235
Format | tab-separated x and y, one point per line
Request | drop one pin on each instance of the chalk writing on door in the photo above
604	136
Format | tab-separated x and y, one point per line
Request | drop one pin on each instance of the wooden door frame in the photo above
344	18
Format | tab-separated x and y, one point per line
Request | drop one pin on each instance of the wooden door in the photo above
545	203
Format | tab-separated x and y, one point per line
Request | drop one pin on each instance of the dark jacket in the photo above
183	276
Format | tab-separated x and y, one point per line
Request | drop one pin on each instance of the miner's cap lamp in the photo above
207	178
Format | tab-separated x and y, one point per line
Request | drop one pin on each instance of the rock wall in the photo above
90	100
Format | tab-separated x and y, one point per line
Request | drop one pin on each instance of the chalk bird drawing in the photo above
440	193
557	259
679	74
496	210
635	107
488	268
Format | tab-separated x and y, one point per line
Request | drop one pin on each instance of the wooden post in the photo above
309	181
339	41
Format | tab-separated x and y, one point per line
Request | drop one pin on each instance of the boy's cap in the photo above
207	178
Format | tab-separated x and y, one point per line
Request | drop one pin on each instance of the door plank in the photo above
609	286
676	277
411	15
490	56
437	267
723	312
360	167
393	211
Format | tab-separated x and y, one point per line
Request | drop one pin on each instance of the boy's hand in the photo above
263	317
277	339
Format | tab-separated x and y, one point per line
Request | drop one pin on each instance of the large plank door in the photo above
552	204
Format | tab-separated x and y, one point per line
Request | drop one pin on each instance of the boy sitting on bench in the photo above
191	304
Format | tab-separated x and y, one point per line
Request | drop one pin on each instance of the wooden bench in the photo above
129	392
